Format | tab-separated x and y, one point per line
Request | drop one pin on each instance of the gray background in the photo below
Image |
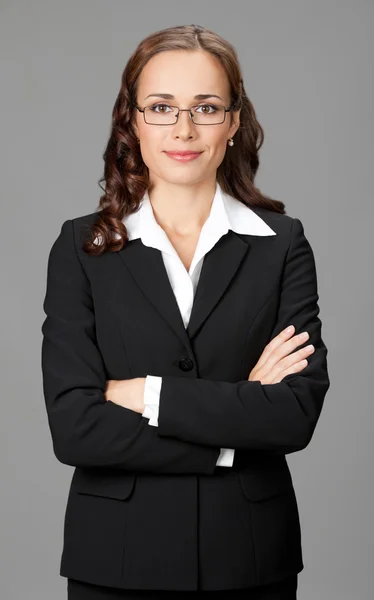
308	68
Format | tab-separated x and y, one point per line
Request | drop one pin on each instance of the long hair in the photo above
126	176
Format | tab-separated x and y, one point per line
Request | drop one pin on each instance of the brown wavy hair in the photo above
126	176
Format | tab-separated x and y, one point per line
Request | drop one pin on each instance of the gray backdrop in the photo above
308	68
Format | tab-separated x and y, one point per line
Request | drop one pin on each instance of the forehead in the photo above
183	74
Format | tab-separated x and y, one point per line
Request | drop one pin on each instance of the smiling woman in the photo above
182	92
173	382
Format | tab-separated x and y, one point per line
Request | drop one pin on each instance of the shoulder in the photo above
290	232
281	223
76	229
80	223
83	223
285	226
69	235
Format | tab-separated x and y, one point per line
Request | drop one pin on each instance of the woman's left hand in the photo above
128	393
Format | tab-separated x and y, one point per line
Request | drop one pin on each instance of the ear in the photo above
134	123
135	128
235	122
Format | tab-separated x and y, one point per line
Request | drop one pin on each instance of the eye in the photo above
154	106
213	106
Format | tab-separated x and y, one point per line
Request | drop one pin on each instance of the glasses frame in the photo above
142	110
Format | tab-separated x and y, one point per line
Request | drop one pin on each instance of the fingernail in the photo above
289	329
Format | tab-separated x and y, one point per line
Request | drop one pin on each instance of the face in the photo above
184	74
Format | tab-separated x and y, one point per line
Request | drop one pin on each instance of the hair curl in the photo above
126	176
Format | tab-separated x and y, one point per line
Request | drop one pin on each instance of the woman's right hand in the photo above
278	358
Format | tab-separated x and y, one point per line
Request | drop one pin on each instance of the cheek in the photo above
218	148
151	147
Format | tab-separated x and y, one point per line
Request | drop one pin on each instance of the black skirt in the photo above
280	590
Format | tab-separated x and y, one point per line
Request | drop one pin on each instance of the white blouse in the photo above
226	213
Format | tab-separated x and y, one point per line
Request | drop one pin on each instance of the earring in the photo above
230	142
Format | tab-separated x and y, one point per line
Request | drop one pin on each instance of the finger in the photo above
296	357
273	344
273	370
286	348
296	368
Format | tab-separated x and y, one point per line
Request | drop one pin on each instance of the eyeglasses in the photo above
164	114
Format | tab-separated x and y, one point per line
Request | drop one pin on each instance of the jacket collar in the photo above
226	214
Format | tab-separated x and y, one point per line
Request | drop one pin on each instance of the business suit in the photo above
115	317
226	212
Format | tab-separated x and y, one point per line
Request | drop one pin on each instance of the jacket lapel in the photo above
220	265
146	266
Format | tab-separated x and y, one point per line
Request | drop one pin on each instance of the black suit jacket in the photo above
147	506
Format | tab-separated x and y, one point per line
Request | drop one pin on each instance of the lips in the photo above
183	156
182	153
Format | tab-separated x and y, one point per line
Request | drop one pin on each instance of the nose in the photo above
184	126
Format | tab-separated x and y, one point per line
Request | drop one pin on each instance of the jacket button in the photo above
186	364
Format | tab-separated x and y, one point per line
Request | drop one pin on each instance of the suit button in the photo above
186	364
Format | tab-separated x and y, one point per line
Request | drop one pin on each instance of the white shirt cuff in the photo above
152	389
226	457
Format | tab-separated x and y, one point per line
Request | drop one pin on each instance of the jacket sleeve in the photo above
88	430
279	417
152	390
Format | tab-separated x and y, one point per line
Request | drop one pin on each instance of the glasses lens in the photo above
208	114
204	114
160	114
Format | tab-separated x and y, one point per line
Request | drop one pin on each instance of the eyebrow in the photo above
171	97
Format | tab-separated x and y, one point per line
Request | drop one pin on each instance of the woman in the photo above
182	354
